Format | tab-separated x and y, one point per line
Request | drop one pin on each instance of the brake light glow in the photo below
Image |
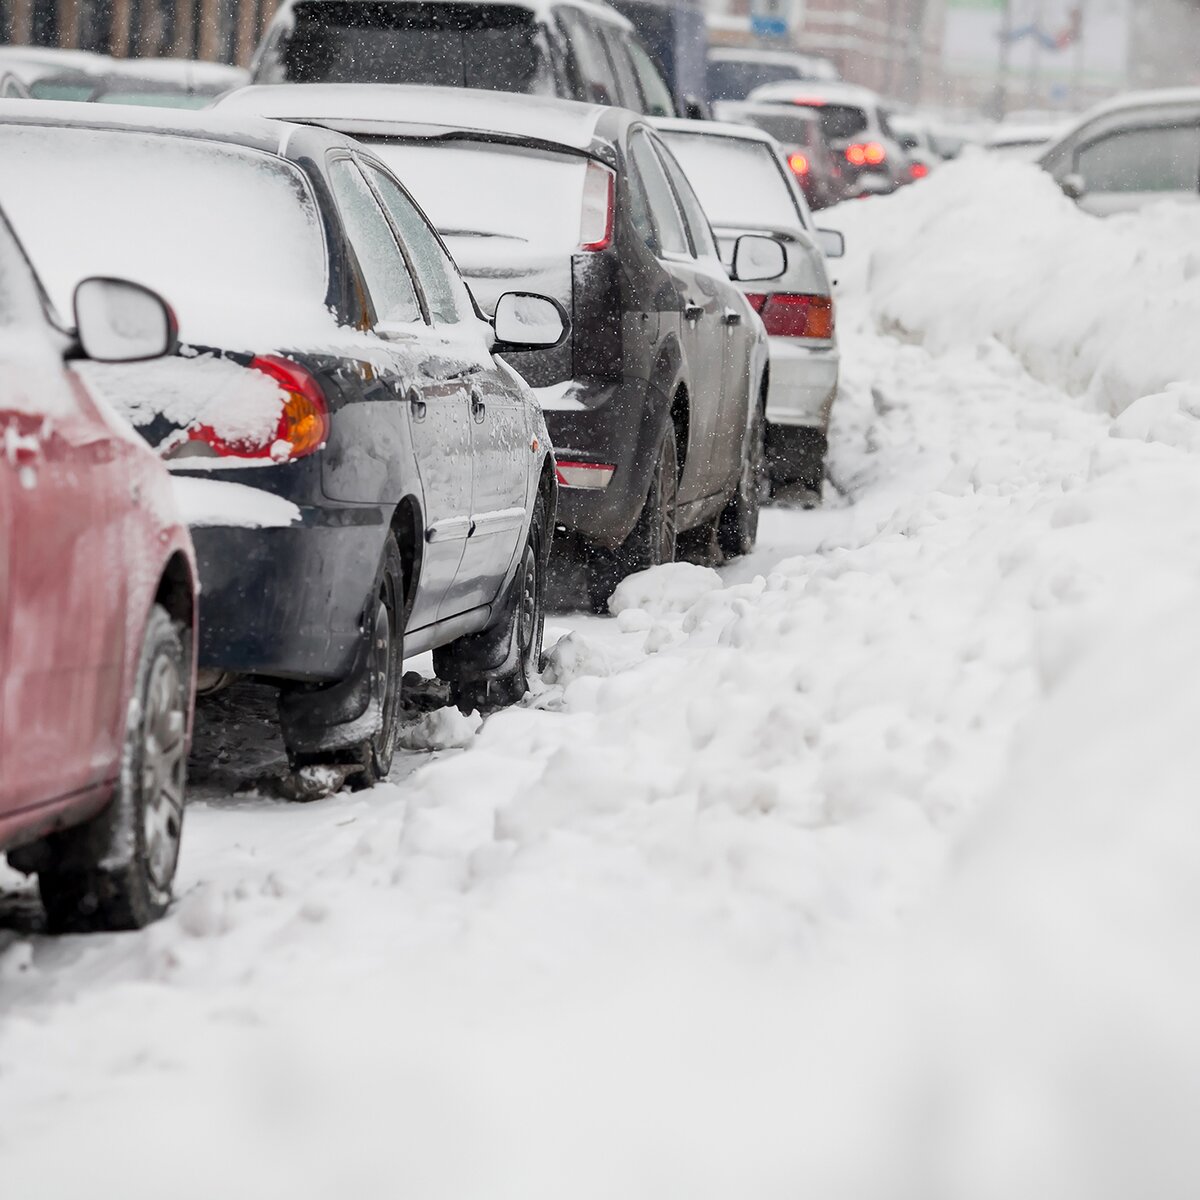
787	314
918	170
599	195
868	154
303	424
799	163
587	475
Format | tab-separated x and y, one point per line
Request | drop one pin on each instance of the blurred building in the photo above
1165	43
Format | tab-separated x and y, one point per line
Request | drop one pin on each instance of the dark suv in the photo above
655	403
577	51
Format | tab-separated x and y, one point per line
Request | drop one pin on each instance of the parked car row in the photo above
343	419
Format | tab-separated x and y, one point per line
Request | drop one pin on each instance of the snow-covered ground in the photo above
867	866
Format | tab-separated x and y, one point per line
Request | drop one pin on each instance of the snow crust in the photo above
864	867
218	502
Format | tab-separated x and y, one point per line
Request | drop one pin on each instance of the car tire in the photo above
654	537
386	667
116	871
737	530
528	629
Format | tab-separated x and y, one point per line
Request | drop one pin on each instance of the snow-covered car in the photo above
857	125
1135	150
1021	140
746	187
365	478
574	49
655	402
798	131
97	611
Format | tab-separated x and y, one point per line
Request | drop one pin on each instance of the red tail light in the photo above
918	170
799	163
587	475
303	425
868	154
596	221
795	316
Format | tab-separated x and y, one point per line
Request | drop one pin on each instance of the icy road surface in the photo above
611	943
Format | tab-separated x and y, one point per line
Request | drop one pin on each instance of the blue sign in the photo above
768	26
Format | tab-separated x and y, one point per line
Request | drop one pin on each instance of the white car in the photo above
746	187
1131	151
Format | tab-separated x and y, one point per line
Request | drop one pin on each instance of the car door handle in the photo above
732	316
693	312
417	404
478	408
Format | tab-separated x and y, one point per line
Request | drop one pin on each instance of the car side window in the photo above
630	93
595	71
383	267
445	292
1165	159
654	91
693	214
670	237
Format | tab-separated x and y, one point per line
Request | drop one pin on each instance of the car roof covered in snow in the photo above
815	93
272	137
540	8
382	108
1129	102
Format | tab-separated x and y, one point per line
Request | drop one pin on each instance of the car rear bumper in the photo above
611	423
803	384
288	602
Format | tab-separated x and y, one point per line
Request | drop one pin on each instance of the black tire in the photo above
737	530
529	623
654	537
116	871
386	666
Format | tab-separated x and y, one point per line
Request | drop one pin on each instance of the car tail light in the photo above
918	170
796	316
594	476
303	424
596	221
865	154
756	300
799	163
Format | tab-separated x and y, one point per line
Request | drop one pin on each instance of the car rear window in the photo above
498	47
841	122
735	79
186	217
532	201
739	182
785	128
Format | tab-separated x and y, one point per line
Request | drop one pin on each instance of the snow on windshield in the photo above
188	218
738	182
537	209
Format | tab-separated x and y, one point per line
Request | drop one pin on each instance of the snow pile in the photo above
1103	309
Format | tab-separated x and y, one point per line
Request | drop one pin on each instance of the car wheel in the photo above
528	628
653	539
116	871
386	667
738	528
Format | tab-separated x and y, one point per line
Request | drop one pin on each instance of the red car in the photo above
97	612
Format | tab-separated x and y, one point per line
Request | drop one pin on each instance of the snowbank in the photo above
1104	309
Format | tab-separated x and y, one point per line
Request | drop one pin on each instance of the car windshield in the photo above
537	209
735	79
183	216
492	46
738	182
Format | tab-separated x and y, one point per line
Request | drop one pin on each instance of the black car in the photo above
364	479
655	404
577	51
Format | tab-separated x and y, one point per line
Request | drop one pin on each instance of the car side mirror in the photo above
525	321
118	321
832	243
757	258
1074	186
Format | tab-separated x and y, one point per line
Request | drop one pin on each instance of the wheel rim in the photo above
383	652
163	769
667	486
